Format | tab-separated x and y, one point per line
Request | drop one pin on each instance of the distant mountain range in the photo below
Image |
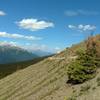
11	54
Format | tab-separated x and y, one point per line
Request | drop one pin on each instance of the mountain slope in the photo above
46	80
10	54
6	69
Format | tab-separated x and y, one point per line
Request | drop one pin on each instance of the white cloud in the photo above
18	36
71	13
6	43
34	24
71	26
82	28
2	13
80	12
57	50
35	47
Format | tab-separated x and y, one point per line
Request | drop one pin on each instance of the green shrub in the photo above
77	73
85	66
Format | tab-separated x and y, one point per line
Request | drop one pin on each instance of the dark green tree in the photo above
84	67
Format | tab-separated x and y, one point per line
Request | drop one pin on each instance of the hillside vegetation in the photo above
47	79
86	64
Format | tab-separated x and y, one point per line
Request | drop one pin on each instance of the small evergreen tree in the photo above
84	67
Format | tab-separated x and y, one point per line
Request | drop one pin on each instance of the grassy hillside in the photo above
47	79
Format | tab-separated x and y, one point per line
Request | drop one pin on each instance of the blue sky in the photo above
50	25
